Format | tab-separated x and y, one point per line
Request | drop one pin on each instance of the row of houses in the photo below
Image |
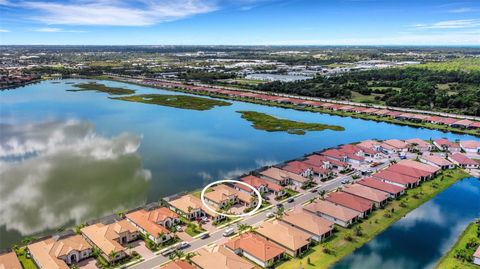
382	112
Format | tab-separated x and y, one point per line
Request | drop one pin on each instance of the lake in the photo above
421	238
67	157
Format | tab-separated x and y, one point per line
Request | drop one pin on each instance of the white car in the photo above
270	215
228	232
182	245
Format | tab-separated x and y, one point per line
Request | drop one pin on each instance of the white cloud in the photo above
56	30
4	31
118	13
462	10
450	24
57	173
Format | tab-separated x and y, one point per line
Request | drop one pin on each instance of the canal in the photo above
421	238
67	157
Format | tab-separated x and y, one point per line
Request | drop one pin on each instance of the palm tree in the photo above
358	230
322	194
189	256
112	254
243	227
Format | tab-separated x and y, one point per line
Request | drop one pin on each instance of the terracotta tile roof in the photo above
380	185
222	192
419	165
149	220
299	167
183	203
418	141
399	144
284	234
280	175
446	121
366	192
470	144
318	160
443	142
330	209
396	177
440	161
178	265
465	122
371	144
47	253
307	221
257	182
462	159
9	260
408	170
220	258
256	246
105	236
350	201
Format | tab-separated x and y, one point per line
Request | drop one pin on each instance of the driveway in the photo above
140	248
88	264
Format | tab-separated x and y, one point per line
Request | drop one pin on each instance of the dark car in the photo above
291	200
205	236
279	205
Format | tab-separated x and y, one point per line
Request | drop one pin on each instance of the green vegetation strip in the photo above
98	87
27	263
345	241
461	254
177	101
269	123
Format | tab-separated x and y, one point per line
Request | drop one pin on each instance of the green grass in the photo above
98	87
177	101
27	263
269	123
459	64
375	223
449	261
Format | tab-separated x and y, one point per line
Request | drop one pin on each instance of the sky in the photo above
240	22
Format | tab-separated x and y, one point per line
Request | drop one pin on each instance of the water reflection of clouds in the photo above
429	213
70	174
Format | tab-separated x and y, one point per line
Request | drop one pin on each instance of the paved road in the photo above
252	221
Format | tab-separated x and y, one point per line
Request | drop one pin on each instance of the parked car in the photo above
291	200
229	231
168	251
270	215
179	228
279	205
205	219
313	190
205	236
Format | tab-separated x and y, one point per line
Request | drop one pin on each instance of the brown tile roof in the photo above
184	202
366	192
462	159
396	177
418	165
149	220
220	258
280	175
420	142
380	185
443	142
9	261
408	170
105	236
330	209
284	234
256	246
350	201
178	265
47	252
440	161
257	182
307	221
299	167
399	144
222	192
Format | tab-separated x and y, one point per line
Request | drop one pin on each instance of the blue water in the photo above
419	240
83	155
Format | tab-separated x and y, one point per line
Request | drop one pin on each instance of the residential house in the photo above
437	161
261	184
398	145
343	156
282	177
445	144
470	146
393	190
326	163
154	223
111	238
220	257
306	169
463	161
178	264
418	144
221	196
432	170
379	198
293	240
256	248
465	124
476	256
338	214
318	227
60	251
393	177
370	144
192	208
359	204
9	260
410	171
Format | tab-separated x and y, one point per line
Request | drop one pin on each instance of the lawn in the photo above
98	87
448	261
366	99
27	263
378	221
269	123
460	64
177	101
